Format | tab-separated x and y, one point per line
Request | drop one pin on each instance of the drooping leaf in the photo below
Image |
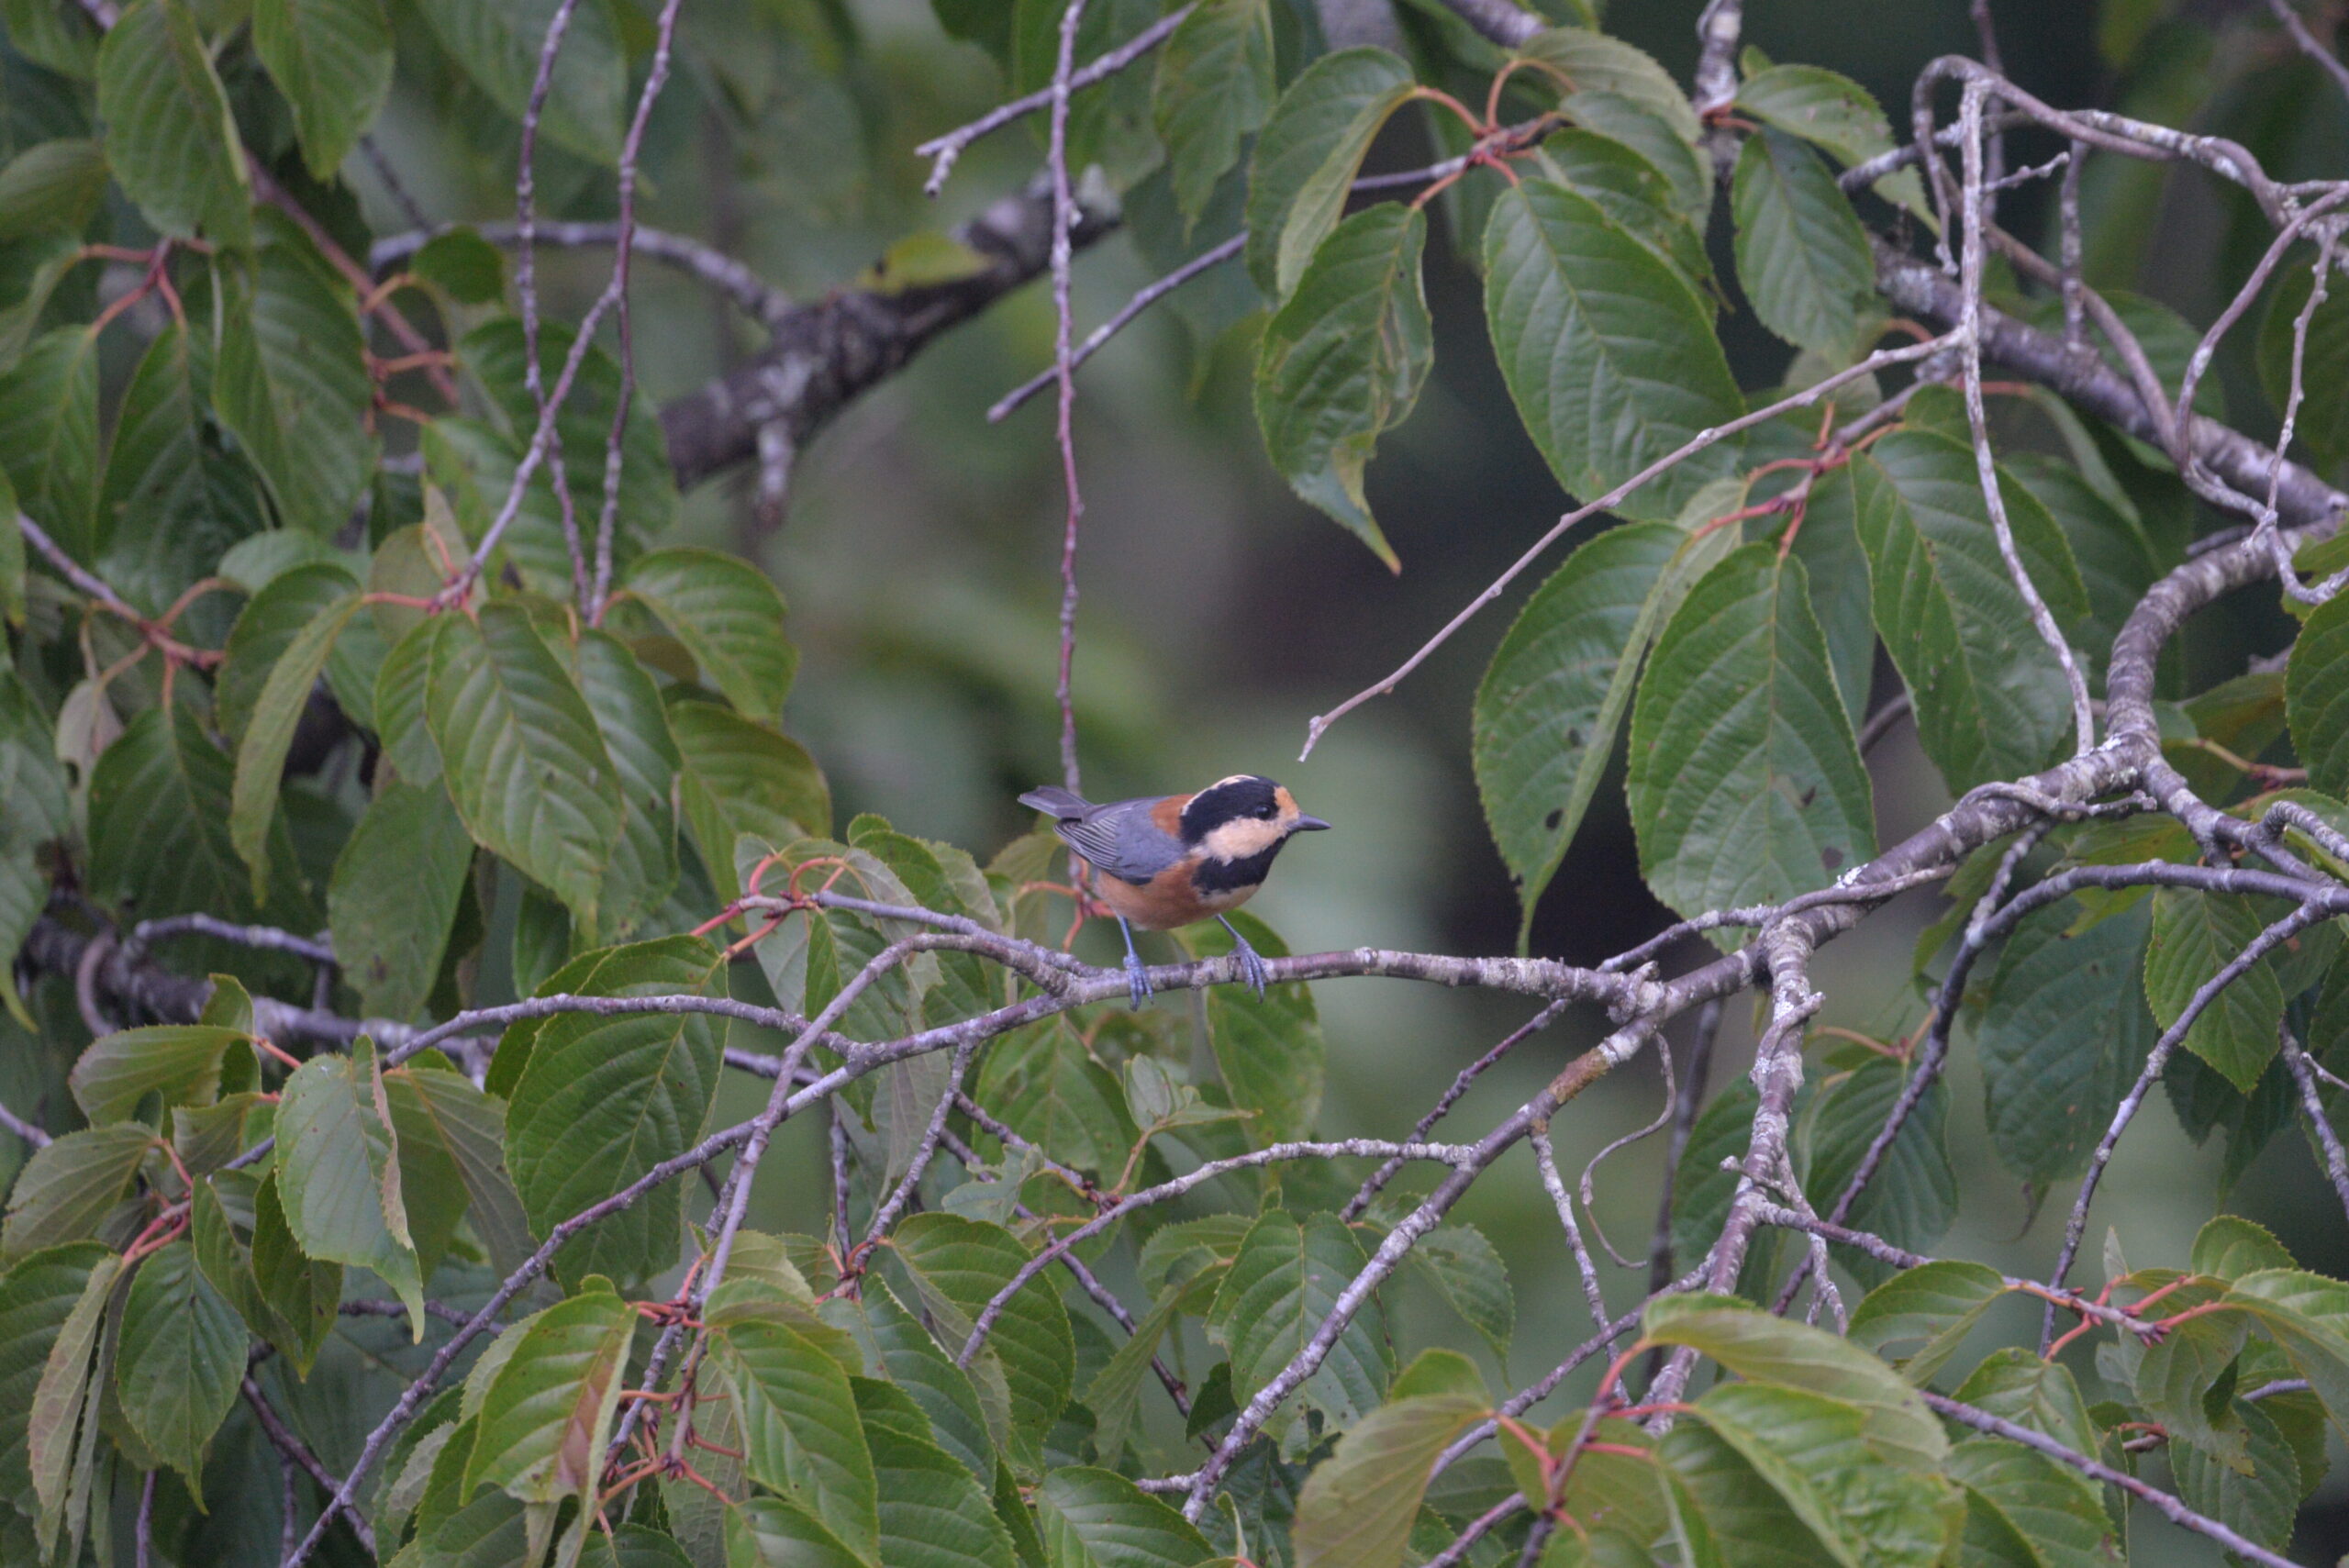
1913	1197
913	1361
735	777
2195	935
1212	90
1989	698
1269	1050
498	43
1608	356
1467	1272
1802	257
332	59
798	1419
269	735
38	1295
1357	1507
291	380
402	690
51	185
395	891
1833	112
158	824
1306	157
182	1358
523	760
1343	361
730	617
2064	1035
960	1265
1937	1303
933	1515
339	1172
1281	1285
546	1416
171	140
62	1424
1745	784
2023	1508
600	1100
48	434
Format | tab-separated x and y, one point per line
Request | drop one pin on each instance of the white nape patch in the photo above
1227	779
1242	836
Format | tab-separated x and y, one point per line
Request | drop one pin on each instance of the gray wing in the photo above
1122	839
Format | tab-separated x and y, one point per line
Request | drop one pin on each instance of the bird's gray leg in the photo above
1252	966
1137	982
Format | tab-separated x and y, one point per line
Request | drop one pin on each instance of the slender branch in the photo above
317	950
1450	1097
11	1122
757	298
2336	1162
1150	294
910	1183
1547	1163
2310	44
1064	374
1684	1122
297	1453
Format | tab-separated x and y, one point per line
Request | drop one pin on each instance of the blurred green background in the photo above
921	547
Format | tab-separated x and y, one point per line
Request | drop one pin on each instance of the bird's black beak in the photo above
1309	825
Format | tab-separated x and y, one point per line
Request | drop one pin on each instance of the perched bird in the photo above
1168	860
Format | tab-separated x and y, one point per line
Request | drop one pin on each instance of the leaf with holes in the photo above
170	137
730	617
1610	357
521	754
1745	782
1343	361
1306	156
1802	257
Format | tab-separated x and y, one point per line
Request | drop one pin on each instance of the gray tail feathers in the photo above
1053	801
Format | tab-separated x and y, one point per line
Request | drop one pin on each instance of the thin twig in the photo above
2310	44
1065	372
1143	300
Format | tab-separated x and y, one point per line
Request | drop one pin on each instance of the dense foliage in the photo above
400	838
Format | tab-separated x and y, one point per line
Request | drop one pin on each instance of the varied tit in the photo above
1168	860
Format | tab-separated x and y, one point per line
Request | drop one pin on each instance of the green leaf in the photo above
1816	1456
2025	1510
51	185
1764	1348
2116	560
2064	1035
394	894
269	624
601	1100
1269	1050
547	1415
912	1362
48	434
1095	1519
2014	1383
12	558
1343	361
1631	190
37	1298
182	1358
933	1515
402	690
67	1190
1988	696
2316	695
1047	1087
767	1532
643	868
2228	1246
730	617
1802	257
522	757
1914	1196
332	59
958	1265
2195	935
735	777
170	137
459	259
1587	61
1608	353
497	43
1115	1394
2323	426
338	1173
159	826
1937	1303
1357	1507
1306	157
801	1435
1835	113
182	1061
1282	1286
269	735
2259	1498
65	40
174	499
62	1409
1467	1272
1745	784
291	382
469	1127
1212	90
2307	1316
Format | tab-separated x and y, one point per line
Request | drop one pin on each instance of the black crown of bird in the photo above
1173	860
